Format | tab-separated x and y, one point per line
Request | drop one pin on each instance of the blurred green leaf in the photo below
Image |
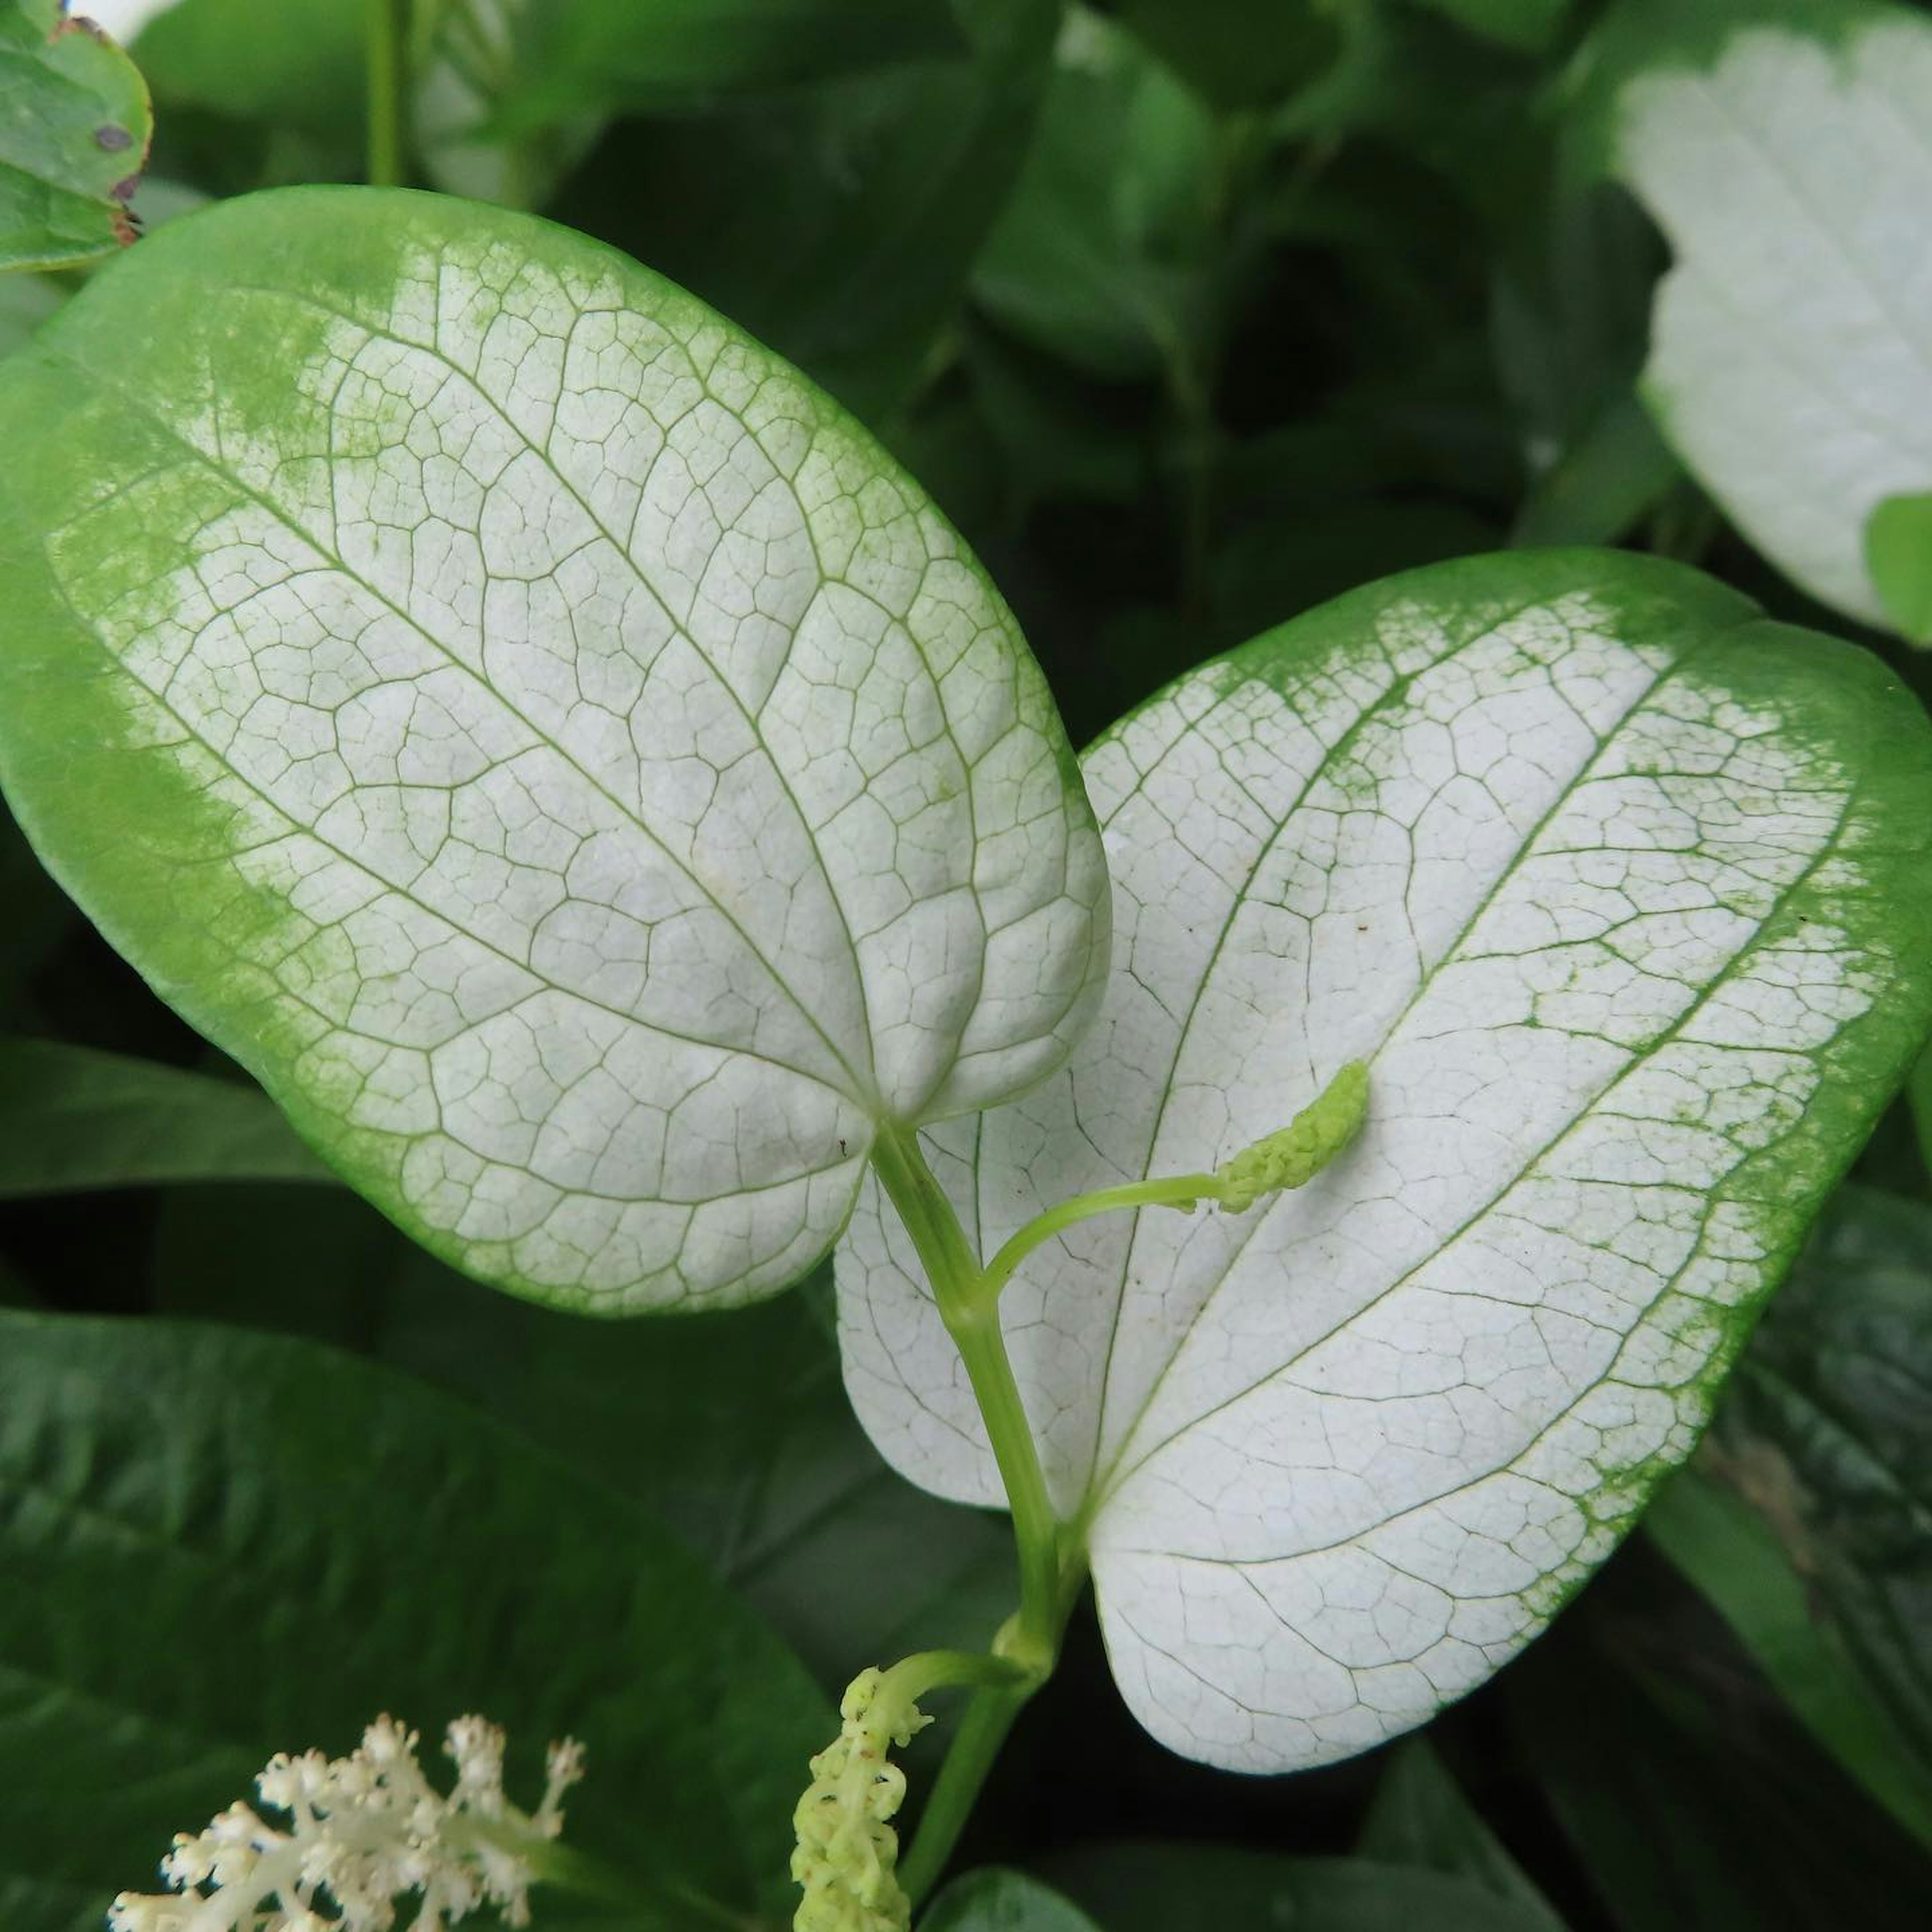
73	1118
1172	1888
1898	554
298	63
1239	53
1919	1093
1733	1554
734	1429
562	57
1609	477
839	223
26	301
74	128
1530	26
219	1545
1420	1816
1002	1901
1098	255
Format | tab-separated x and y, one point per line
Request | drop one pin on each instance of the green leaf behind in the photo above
218	1546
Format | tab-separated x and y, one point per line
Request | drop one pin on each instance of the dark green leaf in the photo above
1831	1427
1688	1792
1002	1901
1616	471
1898	554
71	1117
1420	1816
637	54
218	1546
1156	1888
838	224
1528	25
1732	1554
1239	53
74	128
734	1429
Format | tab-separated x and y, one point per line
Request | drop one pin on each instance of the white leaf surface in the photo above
1791	365
1593	871
548	742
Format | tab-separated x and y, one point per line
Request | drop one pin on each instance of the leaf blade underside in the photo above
1617	889
544	740
1780	147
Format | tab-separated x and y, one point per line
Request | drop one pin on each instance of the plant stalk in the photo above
972	1318
388	42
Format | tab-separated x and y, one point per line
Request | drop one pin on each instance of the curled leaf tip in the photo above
1294	1155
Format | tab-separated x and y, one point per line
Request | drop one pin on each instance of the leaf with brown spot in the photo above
74	116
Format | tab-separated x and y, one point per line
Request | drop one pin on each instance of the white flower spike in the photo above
363	1831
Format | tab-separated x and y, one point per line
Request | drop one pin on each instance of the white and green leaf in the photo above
74	128
1783	146
1620	891
542	737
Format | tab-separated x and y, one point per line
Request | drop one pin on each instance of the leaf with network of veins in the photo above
543	739
1782	147
1620	892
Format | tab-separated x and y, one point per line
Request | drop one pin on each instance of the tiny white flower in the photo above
363	1831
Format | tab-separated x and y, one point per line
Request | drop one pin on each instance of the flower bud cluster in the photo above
1293	1156
848	1855
362	1832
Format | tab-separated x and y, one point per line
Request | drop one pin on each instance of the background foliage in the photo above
1191	313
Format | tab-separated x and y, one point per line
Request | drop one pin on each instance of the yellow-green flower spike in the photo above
848	1855
1296	1153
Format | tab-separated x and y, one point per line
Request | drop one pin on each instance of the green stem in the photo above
388	37
972	1318
969	1757
1175	1190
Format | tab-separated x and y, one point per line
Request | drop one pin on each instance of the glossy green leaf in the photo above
733	1429
71	1118
1781	145
1734	1556
542	738
218	1546
1688	1794
1421	1816
74	128
1830	1433
1002	1901
1898	554
1624	894
1157	1888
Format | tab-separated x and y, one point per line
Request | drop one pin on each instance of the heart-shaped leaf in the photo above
542	738
1781	144
74	128
1620	892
